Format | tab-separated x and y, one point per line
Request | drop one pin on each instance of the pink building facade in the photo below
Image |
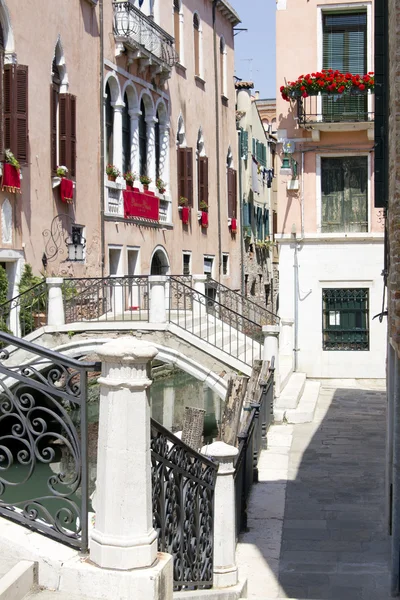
330	235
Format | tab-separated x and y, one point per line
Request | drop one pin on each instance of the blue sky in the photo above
258	44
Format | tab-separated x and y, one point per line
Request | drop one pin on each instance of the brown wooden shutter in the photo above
1	104
189	175
8	106
53	127
181	172
63	137
232	193
72	112
203	178
21	113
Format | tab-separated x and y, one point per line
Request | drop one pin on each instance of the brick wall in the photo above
394	174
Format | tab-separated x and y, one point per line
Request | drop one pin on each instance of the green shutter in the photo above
254	147
244	144
266	222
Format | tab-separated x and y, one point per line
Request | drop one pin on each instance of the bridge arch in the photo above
165	354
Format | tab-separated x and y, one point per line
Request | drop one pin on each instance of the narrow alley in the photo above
317	526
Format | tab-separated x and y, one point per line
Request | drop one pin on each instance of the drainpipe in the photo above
302	195
214	11
241	215
296	304
102	177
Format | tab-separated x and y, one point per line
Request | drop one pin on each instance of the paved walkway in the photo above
316	519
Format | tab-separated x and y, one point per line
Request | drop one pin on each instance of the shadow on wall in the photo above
334	542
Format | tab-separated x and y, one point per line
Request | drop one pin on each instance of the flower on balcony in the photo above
112	171
183	201
327	81
61	171
203	206
10	159
145	180
130	176
161	185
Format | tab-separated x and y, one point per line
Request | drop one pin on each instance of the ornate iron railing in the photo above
43	442
26	312
334	108
240	304
106	299
214	323
183	483
139	31
252	439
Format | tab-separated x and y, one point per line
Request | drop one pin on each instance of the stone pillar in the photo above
225	569
199	306
271	349
151	151
164	154
286	341
157	310
134	115
168	404
117	133
123	537
55	309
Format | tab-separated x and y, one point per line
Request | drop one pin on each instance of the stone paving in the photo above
317	518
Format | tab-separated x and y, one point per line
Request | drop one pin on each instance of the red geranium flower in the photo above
361	86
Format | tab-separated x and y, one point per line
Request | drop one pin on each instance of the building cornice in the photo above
228	12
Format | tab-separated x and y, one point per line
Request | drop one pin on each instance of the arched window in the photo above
142	140
222	65
177	32
126	137
196	43
202	172
109	117
62	116
157	145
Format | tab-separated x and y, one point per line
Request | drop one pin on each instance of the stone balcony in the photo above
143	40
114	206
334	112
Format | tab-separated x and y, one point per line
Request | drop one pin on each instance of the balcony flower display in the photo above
112	172
327	81
183	201
161	185
66	185
11	180
130	177
145	180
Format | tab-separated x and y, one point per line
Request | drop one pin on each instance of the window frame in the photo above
126	137
142	140
318	195
189	255
326	328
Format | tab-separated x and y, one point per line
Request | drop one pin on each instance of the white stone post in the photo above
157	310
117	133
199	284
118	301
225	569
123	537
286	341
55	308
168	404
134	115
151	151
164	151
271	349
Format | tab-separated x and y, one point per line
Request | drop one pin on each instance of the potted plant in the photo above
130	177
145	181
11	180
112	172
327	81
10	159
161	185
203	206
62	171
183	201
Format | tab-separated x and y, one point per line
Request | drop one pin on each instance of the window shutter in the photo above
254	147
53	127
181	172
189	175
1	106
8	107
63	130
21	113
72	120
203	179
231	193
244	144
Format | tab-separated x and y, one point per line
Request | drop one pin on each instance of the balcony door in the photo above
345	49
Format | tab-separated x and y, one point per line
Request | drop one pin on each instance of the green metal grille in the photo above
345	318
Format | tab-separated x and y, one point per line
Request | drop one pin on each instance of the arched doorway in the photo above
159	263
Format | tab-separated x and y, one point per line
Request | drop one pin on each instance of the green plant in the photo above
71	334
33	301
62	171
203	206
145	179
161	185
5	311
112	170
183	201
247	232
130	176
10	159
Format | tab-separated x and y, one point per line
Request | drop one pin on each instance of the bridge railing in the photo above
43	441
215	323
252	440
26	312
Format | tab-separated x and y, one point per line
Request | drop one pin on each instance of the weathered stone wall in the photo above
394	174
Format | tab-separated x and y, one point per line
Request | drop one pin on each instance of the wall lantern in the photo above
76	244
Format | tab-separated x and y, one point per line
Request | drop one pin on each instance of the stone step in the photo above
53	595
292	392
304	413
6	564
18	581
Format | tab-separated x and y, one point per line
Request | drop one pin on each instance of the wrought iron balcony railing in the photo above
150	43
335	109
